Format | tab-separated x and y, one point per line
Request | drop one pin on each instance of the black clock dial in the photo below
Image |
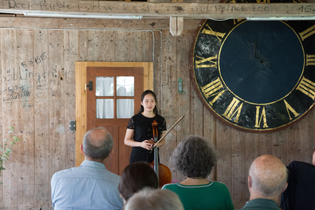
253	64
258	76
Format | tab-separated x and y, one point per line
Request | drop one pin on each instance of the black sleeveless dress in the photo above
142	127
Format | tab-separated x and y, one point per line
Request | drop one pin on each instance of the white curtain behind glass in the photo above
104	107
125	107
105	87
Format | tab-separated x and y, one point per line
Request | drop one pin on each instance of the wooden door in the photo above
82	103
113	100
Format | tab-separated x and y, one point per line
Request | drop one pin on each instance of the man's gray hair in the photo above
100	151
269	178
149	199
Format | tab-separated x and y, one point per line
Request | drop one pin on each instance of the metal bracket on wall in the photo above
72	125
90	86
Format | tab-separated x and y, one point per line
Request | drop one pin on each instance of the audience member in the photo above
89	186
266	181
149	199
194	158
135	177
300	193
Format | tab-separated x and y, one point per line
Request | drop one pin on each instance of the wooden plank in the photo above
109	45
122	46
83	45
71	56
1	122
307	157
168	96
305	144
56	100
193	10
293	143
94	24
183	100
239	173
92	40
42	150
26	122
176	25
81	100
279	145
101	45
224	148
9	105
136	46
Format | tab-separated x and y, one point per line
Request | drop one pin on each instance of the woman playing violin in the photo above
139	134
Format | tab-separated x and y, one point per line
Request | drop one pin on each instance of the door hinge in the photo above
90	86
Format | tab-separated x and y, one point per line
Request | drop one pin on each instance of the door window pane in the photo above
104	108
104	86
125	86
125	108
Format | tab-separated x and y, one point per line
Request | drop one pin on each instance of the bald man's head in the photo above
97	143
268	175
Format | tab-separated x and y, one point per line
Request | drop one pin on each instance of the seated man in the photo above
153	199
300	193
89	186
266	181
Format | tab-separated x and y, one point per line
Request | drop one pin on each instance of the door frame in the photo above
81	95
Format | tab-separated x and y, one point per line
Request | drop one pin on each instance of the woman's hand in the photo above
147	144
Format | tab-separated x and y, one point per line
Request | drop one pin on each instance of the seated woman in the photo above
194	158
135	177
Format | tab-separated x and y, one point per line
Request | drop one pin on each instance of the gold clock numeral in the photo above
212	89
307	87
290	109
262	117
310	60
307	33
203	60
219	35
232	110
235	21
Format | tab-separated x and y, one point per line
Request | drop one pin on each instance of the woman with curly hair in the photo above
194	158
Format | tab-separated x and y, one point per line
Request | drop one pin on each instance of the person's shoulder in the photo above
300	164
66	172
159	117
136	116
169	186
113	177
220	185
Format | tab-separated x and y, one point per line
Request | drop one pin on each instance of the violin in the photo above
162	171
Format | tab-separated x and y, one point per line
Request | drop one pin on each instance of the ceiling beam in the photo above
186	10
95	24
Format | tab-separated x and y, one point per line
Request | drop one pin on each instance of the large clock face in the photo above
258	76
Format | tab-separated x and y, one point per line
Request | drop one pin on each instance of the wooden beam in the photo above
191	10
98	24
176	25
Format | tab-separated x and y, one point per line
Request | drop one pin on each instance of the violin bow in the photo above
168	131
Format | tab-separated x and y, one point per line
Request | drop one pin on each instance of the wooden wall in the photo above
38	99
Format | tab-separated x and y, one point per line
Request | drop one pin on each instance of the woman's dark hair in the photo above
194	157
142	97
135	177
